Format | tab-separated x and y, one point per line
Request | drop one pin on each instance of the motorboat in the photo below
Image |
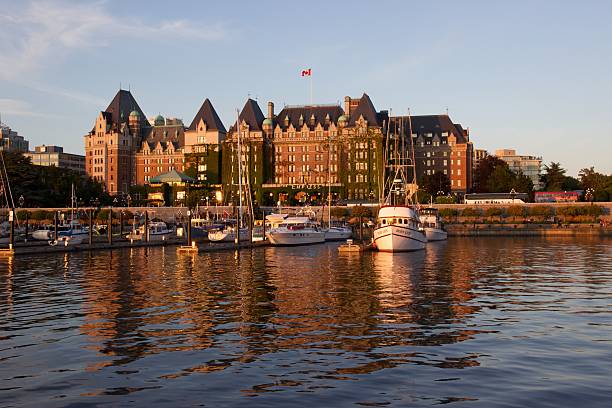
157	231
398	229
432	224
67	240
228	234
70	229
338	233
293	230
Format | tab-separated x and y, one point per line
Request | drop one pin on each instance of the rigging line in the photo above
8	186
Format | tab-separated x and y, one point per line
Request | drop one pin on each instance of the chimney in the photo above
270	110
347	105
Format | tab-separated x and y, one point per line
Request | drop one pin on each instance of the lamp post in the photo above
512	194
589	194
21	200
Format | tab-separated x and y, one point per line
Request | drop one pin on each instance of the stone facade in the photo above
125	149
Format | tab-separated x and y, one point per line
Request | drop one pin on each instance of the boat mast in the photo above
329	149
414	179
239	173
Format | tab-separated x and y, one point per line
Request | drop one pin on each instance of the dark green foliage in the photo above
471	212
49	186
494	211
436	183
516	211
448	212
553	177
361	211
339	212
541	211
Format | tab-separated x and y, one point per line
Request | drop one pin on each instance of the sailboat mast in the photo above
329	150
239	172
414	179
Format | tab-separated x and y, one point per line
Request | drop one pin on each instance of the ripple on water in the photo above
490	322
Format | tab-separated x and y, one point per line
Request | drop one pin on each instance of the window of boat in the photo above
384	221
394	221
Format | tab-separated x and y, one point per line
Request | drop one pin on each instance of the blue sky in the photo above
529	75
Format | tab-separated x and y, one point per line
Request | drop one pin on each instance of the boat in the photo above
398	226
157	231
72	228
67	240
293	230
432	224
228	234
338	233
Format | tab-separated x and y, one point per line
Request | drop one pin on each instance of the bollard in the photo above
146	227
120	224
12	229
27	227
55	225
188	227
110	226
90	212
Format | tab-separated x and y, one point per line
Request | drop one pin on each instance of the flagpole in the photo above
310	88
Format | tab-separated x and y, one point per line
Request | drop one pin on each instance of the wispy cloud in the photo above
45	32
16	107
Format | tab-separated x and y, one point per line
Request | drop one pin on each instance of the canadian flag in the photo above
307	72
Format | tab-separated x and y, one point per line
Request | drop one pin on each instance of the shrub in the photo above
339	212
516	211
445	200
361	211
541	211
595	210
494	211
42	215
449	212
102	215
471	212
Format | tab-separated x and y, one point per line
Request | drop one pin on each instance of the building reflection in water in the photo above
148	301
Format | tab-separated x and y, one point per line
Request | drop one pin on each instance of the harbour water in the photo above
488	322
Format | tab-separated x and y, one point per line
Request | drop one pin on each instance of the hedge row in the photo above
520	211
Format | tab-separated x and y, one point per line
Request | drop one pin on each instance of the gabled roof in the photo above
320	112
252	115
434	124
166	134
208	114
172	176
120	107
367	110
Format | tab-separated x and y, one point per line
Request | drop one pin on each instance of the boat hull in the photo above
227	236
295	238
435	234
395	238
338	234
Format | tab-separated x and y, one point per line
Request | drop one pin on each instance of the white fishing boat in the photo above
284	229
398	226
398	230
432	224
158	231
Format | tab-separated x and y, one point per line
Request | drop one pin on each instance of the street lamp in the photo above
512	194
589	194
21	200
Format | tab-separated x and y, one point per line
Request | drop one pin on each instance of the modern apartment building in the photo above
530	166
55	156
11	141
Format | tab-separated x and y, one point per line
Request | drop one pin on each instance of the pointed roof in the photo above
172	176
367	110
252	115
208	114
290	115
120	108
434	124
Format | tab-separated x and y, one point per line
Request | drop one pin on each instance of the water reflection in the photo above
308	320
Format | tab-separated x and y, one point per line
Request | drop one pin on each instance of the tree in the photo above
483	172
436	183
553	177
571	183
501	179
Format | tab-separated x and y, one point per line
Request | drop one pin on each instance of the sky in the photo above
527	75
